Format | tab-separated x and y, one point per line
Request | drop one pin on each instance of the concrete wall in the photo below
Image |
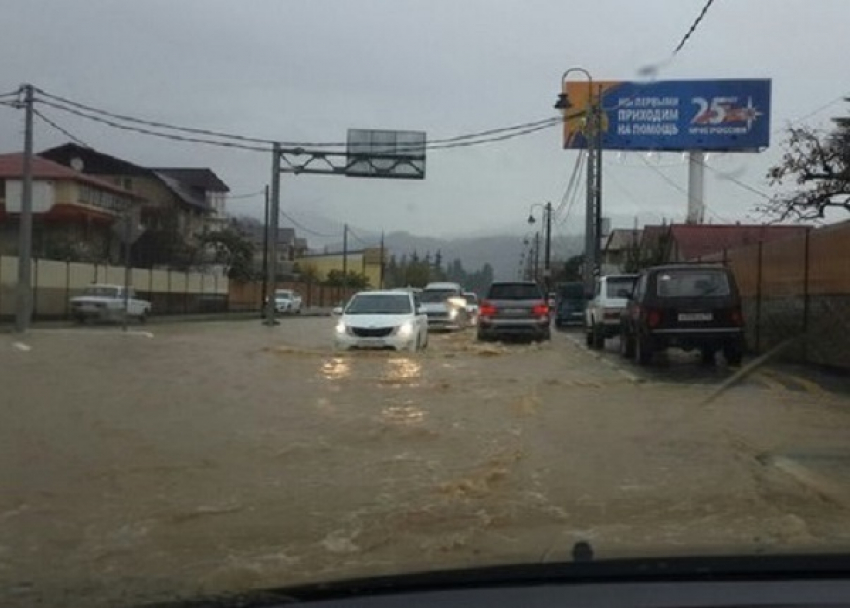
366	262
249	295
55	282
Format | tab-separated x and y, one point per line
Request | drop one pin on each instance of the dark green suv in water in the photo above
570	303
690	306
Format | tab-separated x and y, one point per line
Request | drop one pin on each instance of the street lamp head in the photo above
531	219
563	102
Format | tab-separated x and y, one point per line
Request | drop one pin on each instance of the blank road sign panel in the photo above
383	153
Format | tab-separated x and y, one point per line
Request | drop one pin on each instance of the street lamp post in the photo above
593	133
547	241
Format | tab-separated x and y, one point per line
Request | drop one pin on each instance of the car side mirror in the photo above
337	311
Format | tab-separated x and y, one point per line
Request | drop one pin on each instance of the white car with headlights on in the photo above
381	320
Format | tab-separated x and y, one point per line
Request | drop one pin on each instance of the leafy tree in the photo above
818	164
352	279
232	248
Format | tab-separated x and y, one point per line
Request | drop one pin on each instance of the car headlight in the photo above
340	328
453	313
405	329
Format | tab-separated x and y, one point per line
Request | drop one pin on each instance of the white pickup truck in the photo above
106	303
602	315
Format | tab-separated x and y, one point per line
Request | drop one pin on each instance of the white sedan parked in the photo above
381	320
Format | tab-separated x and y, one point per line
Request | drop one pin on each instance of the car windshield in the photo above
692	283
385	304
515	291
99	291
619	287
269	410
432	296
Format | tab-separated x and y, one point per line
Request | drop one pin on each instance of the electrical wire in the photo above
568	191
735	180
684	191
357	238
693	27
63	131
309	231
58	101
234	197
144	131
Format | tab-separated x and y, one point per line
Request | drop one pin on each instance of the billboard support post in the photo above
696	187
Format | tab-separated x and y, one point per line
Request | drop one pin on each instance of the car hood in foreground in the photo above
583	570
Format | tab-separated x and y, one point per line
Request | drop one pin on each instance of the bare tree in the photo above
818	165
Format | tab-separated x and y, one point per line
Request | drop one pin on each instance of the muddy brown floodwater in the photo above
214	457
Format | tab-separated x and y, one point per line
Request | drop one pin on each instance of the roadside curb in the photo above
630	376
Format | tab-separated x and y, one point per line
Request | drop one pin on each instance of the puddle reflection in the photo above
336	368
402	371
403	414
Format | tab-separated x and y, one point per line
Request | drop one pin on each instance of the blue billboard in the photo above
673	115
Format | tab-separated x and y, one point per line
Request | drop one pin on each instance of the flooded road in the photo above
216	457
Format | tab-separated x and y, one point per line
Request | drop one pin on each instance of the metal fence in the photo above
797	288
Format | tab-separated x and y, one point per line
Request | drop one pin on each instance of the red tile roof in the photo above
695	240
12	167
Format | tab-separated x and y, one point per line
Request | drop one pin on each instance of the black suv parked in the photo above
691	306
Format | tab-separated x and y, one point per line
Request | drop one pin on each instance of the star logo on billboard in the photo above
722	110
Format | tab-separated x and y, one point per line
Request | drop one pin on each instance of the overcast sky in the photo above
310	69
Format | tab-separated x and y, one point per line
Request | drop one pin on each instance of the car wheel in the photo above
627	346
588	338
707	355
733	353
143	318
642	350
598	337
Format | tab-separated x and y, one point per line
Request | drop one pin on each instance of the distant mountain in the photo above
502	252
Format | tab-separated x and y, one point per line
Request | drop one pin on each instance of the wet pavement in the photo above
212	457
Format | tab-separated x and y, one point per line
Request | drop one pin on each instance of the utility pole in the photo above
271	235
382	260
547	257
590	203
344	257
266	249
23	307
597	245
128	237
537	257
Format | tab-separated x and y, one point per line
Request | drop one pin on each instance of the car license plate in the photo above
695	316
371	342
514	311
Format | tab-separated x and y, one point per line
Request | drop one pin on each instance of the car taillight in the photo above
653	318
486	309
736	317
540	310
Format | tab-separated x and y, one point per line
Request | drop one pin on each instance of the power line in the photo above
63	131
817	110
693	27
242	138
574	196
735	180
569	190
304	228
234	197
145	131
683	190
